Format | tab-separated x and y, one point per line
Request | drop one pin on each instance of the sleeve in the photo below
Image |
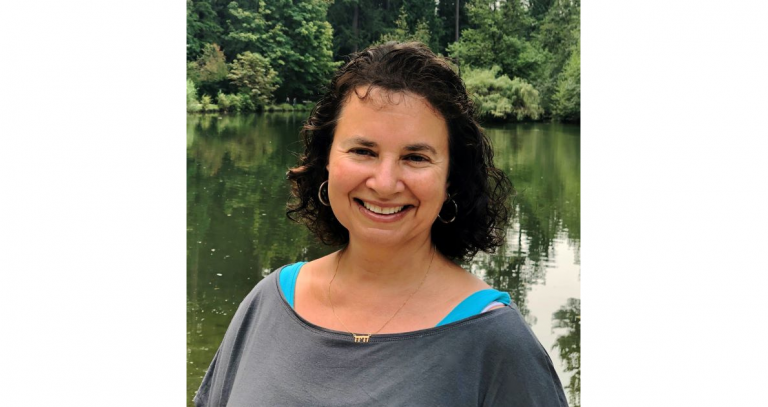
217	382
519	371
203	393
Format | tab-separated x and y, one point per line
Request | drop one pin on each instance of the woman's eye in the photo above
361	151
417	158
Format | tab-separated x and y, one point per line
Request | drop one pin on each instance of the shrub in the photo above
254	76
225	101
205	101
502	98
191	95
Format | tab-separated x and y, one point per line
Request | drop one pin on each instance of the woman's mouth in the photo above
391	210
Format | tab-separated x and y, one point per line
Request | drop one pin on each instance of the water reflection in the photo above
568	320
237	231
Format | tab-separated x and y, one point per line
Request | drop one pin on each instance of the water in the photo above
237	231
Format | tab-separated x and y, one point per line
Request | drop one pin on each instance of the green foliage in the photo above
558	36
402	34
501	35
533	40
282	107
234	102
192	73
205	101
212	65
192	104
567	97
225	101
293	36
254	76
501	98
446	13
357	24
202	27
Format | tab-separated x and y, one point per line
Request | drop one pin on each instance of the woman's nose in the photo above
386	178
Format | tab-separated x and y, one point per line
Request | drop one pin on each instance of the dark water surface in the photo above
237	231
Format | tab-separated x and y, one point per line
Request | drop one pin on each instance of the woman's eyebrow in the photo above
361	141
420	147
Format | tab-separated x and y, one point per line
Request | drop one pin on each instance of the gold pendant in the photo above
362	338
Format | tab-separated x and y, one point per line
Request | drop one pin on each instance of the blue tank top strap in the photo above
474	304
288	276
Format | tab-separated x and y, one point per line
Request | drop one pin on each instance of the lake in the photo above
237	231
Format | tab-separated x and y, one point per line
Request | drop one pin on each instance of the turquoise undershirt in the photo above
472	305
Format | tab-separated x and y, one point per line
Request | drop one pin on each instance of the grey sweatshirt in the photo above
270	356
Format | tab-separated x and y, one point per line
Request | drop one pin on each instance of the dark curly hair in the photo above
480	190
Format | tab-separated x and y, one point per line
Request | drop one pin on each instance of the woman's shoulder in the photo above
267	286
507	333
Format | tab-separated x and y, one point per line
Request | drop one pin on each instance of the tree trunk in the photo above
355	26
457	19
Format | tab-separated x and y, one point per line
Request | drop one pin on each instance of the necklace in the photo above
364	338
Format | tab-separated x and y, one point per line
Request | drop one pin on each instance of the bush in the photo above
205	101
191	95
283	107
502	98
225	101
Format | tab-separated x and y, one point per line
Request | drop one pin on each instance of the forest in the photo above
520	59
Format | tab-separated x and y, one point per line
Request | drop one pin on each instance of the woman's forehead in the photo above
378	98
405	120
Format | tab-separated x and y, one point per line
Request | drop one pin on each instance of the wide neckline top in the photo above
440	328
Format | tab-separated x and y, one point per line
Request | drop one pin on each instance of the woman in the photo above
398	173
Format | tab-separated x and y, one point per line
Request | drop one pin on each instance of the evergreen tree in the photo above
402	33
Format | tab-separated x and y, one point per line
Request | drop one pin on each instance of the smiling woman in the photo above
388	170
398	173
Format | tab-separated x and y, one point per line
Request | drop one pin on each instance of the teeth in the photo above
382	211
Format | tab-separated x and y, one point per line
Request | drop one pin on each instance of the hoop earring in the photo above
455	213
320	193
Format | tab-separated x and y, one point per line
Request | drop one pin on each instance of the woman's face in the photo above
388	167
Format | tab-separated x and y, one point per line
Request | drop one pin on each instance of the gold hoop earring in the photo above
320	193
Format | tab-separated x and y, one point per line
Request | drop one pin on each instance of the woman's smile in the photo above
384	213
388	167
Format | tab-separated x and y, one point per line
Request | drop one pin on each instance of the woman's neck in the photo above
367	266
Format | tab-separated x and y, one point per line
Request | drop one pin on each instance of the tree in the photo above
212	64
567	98
402	33
293	36
254	76
202	27
558	36
358	23
500	35
446	14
